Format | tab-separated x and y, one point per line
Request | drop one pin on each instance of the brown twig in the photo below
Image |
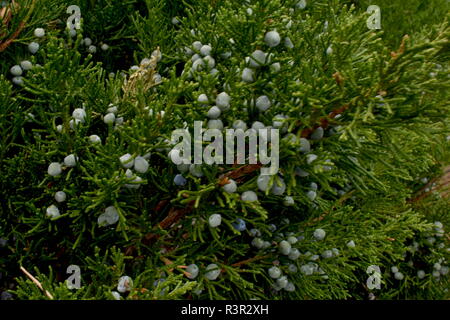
6	13
174	215
441	184
36	282
247	261
401	49
168	262
325	121
238	173
4	45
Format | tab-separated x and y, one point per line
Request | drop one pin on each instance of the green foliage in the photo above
390	133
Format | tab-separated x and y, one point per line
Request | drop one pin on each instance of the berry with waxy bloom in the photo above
215	220
213	271
272	38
